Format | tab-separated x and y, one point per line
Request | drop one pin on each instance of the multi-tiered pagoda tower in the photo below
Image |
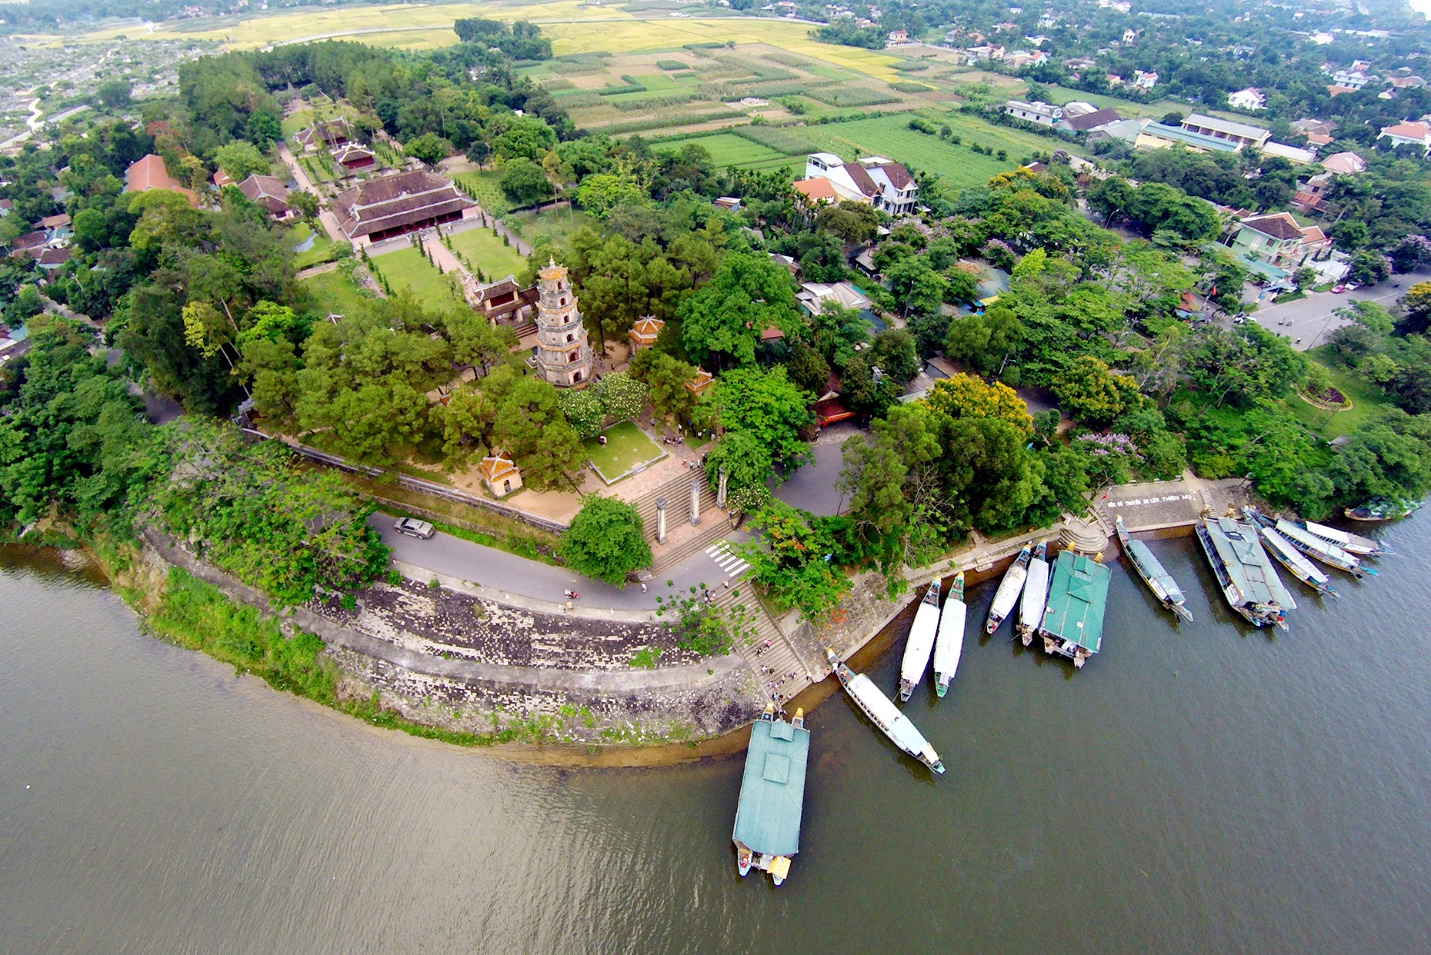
563	351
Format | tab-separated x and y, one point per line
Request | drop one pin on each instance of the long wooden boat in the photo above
920	643
1381	509
1008	593
882	711
950	642
772	795
1249	584
1313	546
1077	598
1035	597
1296	563
1159	581
1347	541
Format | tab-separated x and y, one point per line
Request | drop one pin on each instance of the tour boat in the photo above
1035	595
1008	593
1159	581
882	711
1315	547
1382	509
951	636
1347	541
1249	584
1073	623
920	643
772	795
1297	565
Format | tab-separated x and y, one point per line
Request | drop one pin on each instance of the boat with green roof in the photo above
772	795
1077	598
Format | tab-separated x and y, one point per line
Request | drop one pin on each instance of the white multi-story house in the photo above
1145	81
1249	99
882	183
1402	134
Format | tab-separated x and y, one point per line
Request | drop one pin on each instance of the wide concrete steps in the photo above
767	652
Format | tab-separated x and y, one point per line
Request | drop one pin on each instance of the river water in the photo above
1206	789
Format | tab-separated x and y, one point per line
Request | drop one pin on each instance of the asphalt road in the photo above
455	557
812	487
1313	318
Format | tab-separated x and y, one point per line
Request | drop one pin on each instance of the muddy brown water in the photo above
1197	788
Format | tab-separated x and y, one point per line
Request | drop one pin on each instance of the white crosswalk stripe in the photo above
729	563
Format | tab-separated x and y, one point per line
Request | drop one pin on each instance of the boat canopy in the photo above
1077	600
772	790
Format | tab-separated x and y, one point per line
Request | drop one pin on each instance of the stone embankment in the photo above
466	663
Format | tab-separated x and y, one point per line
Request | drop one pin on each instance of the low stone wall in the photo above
446	685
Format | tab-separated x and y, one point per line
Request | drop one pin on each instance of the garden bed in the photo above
627	451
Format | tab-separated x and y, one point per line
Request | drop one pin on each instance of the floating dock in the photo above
1073	621
772	795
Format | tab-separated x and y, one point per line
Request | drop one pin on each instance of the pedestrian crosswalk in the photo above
730	563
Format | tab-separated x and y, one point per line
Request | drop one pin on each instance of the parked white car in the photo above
413	527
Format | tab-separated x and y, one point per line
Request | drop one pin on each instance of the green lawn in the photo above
409	268
1365	400
556	225
334	293
324	249
485	251
626	447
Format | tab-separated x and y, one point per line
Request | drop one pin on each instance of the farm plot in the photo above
728	149
890	136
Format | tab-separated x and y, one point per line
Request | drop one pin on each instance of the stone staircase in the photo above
682	539
768	653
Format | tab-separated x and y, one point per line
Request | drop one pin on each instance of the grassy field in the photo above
1365	400
334	293
485	251
324	249
408	268
626	446
556	225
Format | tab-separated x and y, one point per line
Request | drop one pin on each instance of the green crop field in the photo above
334	293
408	268
728	149
483	250
890	136
483	186
626	446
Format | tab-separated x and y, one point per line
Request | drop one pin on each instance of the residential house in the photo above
1293	154
270	193
1408	134
221	179
1129	36
1113	79
1037	112
813	296
898	36
1160	136
1020	59
27	246
1123	130
352	156
816	191
57	229
1344	164
1086	122
399	204
1319	127
500	474
1145	81
51	259
1334	90
880	182
1350	79
149	173
1241	134
1249	99
1277	240
7	206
